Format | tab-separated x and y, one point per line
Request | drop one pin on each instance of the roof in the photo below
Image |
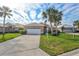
35	24
13	25
1	25
19	25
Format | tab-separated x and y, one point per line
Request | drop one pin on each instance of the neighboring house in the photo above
68	28
9	28
20	25
76	29
35	28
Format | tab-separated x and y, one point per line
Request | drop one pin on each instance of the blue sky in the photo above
31	12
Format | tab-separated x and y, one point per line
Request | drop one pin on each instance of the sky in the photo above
25	13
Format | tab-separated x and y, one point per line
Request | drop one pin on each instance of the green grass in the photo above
8	36
55	45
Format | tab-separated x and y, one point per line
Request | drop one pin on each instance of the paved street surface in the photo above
25	45
74	33
71	53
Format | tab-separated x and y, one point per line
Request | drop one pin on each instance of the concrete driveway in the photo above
25	45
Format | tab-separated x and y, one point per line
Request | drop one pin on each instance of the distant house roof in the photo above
1	25
13	25
19	25
35	24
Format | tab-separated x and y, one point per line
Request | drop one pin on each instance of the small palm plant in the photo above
5	12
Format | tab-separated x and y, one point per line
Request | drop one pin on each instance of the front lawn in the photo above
55	45
9	36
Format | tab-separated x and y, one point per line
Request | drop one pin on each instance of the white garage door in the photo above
33	31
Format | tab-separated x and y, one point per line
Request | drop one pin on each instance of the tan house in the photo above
35	28
9	28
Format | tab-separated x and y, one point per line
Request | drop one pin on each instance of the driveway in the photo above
25	45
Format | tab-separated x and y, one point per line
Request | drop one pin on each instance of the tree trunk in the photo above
3	28
51	27
56	28
73	32
62	29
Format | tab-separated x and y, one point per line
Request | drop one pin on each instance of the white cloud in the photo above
69	9
33	14
66	6
12	3
39	15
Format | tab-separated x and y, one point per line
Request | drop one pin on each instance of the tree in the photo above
44	16
5	12
76	23
54	16
62	28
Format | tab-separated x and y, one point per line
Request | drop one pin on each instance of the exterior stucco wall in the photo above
36	27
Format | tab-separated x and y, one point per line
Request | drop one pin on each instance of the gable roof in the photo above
35	24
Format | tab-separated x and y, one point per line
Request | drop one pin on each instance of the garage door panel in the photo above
33	31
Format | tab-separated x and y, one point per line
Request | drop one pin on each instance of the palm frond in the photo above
44	14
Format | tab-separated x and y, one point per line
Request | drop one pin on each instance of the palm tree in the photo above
46	15
57	17
76	23
62	28
5	12
49	12
54	16
45	21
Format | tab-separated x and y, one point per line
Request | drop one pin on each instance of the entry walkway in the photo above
25	45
